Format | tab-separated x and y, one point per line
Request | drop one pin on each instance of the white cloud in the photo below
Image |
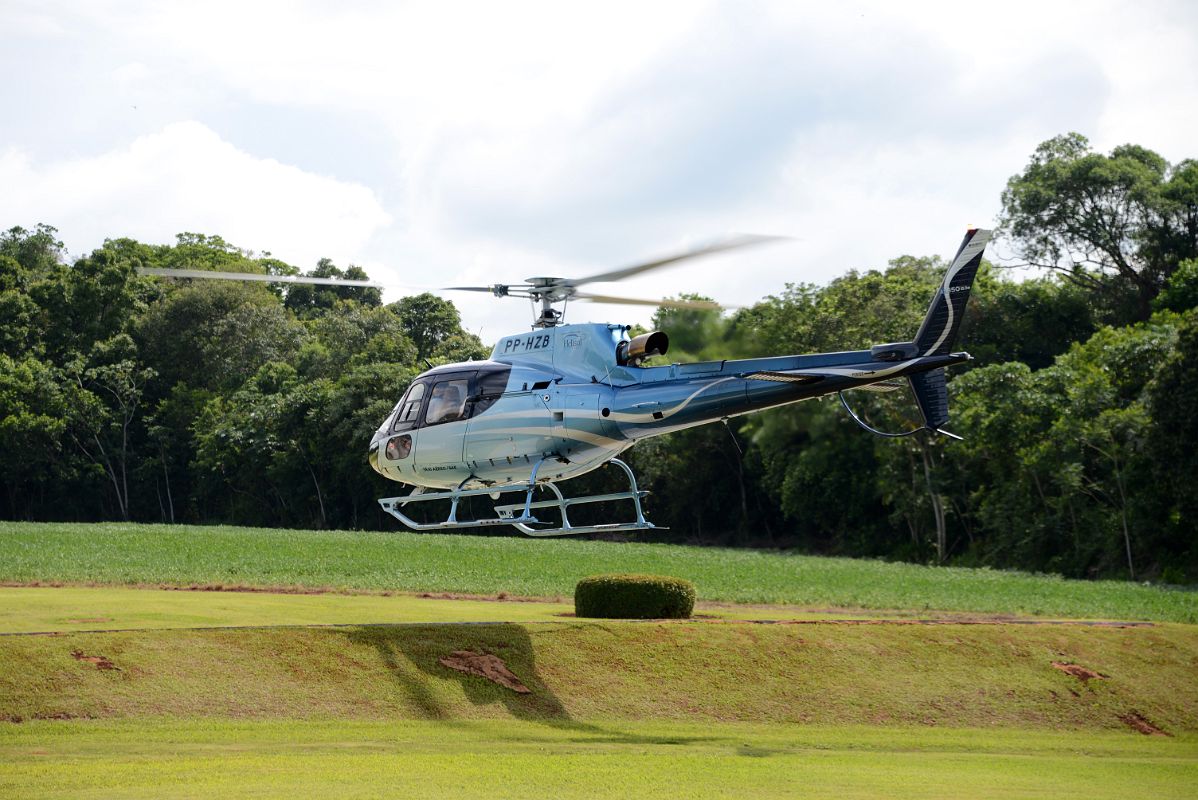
185	178
551	138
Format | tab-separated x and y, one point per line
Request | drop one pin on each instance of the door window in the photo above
489	387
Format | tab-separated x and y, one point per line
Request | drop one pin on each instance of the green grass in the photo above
885	674
186	555
42	609
72	608
520	760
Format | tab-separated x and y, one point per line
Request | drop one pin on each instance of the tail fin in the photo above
932	397
938	333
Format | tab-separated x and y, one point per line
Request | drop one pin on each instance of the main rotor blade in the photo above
706	305
253	276
729	243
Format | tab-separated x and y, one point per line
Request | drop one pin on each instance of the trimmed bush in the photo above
634	597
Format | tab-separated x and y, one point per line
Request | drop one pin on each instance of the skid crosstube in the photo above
519	515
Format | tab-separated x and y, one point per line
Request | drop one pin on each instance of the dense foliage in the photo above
634	597
126	397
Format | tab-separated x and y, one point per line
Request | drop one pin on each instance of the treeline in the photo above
126	397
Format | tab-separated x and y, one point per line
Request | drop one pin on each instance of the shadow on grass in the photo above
411	655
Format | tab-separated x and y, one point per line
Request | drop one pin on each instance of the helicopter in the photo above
562	400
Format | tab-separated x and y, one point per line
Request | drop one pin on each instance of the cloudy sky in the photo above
446	143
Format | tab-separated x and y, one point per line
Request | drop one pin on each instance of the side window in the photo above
447	402
488	389
399	447
409	407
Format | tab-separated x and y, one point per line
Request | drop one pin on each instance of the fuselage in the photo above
558	396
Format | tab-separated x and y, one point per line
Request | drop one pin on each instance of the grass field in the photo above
73	608
112	691
512	759
124	554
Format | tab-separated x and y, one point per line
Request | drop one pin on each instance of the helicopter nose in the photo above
373	458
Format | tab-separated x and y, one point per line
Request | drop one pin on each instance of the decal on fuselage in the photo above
523	344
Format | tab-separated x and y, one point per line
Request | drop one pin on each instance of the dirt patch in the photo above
1083	674
1138	722
101	662
484	665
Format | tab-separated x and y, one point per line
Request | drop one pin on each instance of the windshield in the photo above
409	407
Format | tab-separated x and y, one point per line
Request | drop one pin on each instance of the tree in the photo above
1054	470
1118	224
428	321
109	392
695	332
311	300
348	334
215	334
1173	406
171	450
1031	321
1181	292
19	331
201	251
33	413
26	258
38	251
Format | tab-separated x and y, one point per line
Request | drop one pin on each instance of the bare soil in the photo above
101	662
1083	674
1137	721
484	665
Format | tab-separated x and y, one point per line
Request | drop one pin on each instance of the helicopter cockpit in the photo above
446	394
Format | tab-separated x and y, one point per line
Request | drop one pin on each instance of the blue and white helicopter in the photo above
563	400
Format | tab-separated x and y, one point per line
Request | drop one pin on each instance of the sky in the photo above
441	144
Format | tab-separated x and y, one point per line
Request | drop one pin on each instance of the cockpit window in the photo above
447	402
409	408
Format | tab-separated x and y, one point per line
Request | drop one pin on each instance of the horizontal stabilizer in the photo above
882	386
784	377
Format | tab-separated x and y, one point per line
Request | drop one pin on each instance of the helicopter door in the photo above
443	426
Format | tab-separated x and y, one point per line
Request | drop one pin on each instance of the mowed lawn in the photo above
130	554
43	609
519	759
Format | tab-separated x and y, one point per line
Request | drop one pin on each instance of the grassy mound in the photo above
181	556
870	674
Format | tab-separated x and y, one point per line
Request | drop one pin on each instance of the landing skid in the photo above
519	515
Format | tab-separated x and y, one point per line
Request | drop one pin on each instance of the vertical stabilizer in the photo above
940	327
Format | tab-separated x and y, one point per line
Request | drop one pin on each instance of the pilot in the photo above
446	403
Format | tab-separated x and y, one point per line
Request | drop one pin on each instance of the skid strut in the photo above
519	515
